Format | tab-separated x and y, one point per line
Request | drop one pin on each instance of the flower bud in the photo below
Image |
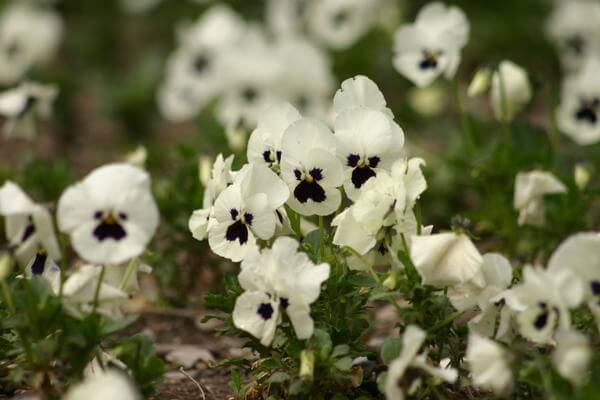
307	364
582	176
204	168
236	138
6	264
391	281
428	101
137	157
480	82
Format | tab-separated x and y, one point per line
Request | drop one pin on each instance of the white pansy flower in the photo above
360	92
45	267
510	90
431	46
110	215
578	115
489	365
310	168
264	145
542	301
530	189
572	356
445	259
385	201
574	27
221	176
115	275
28	227
29	36
107	385
250	72
246	210
340	23
580	255
278	280
286	17
404	372
308	89
365	145
192	73
494	277
79	291
22	105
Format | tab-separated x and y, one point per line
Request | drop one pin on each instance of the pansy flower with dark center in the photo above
339	23
110	215
543	300
29	36
220	177
42	265
264	145
192	76
308	89
431	46
278	280
580	254
28	226
578	115
246	210
365	145
249	72
310	168
409	367
23	104
573	28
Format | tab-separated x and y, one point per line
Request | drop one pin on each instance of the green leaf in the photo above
294	221
324	343
279	377
381	378
344	364
111	327
340	350
390	350
411	272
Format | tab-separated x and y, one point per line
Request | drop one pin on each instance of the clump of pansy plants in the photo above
326	224
325	218
58	318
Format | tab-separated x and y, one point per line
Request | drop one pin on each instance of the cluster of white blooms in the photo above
222	57
574	27
110	217
335	23
30	35
300	163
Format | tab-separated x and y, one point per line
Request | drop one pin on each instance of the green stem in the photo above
464	121
22	337
373	273
404	243
448	320
7	297
98	286
130	268
321	238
